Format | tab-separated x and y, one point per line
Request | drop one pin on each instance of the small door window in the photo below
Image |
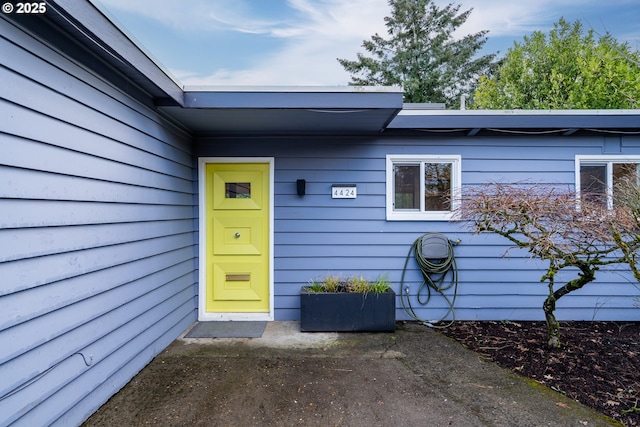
237	190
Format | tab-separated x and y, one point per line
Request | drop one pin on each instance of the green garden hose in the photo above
434	272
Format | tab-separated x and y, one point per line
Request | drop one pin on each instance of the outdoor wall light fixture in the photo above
301	185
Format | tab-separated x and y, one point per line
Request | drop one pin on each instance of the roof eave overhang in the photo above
289	97
287	110
89	28
474	122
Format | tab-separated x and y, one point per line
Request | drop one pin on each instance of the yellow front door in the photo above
237	222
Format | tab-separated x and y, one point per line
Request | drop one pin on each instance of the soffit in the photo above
282	110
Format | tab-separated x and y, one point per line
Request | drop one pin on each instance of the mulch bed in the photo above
598	364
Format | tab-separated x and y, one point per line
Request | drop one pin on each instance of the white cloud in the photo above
199	15
330	29
503	18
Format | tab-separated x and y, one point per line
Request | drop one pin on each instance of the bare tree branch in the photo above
557	227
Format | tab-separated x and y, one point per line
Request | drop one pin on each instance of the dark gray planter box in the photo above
347	312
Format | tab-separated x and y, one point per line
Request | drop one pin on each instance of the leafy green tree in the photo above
422	55
568	69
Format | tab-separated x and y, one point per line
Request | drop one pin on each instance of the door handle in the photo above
237	235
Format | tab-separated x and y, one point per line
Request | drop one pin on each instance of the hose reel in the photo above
434	254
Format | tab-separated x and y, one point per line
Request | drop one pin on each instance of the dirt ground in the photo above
598	365
413	377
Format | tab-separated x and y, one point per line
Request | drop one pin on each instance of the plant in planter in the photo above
354	304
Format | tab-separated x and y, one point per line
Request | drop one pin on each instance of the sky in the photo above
296	42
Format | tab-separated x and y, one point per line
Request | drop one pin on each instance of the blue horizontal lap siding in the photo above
54	269
97	235
25	243
316	235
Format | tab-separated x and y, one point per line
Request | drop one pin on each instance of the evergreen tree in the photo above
421	54
568	69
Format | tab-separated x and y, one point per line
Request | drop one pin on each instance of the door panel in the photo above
237	235
237	209
237	282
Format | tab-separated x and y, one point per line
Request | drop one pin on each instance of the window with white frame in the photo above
597	176
422	187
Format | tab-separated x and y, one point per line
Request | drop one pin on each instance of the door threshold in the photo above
257	317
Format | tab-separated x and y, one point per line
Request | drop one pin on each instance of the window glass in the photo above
593	183
623	172
407	187
237	190
437	186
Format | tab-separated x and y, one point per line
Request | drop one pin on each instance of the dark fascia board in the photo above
302	97
89	26
287	110
571	120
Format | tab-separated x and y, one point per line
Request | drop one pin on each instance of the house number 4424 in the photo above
344	192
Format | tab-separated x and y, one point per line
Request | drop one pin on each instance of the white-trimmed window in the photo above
422	187
597	175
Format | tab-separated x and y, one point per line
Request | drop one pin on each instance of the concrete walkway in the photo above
413	377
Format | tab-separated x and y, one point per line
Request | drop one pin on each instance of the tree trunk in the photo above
553	326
